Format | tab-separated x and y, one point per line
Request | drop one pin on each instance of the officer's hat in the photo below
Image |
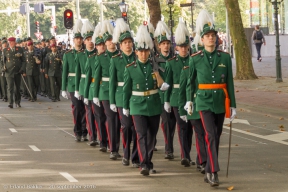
97	37
151	30
143	40
87	30
204	23
107	30
121	31
162	32
182	35
197	44
11	39
77	28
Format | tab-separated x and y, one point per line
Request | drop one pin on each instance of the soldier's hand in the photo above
189	107
233	113
167	107
24	74
46	76
113	107
164	86
184	118
64	94
126	112
86	102
96	101
77	95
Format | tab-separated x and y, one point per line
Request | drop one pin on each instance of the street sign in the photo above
38	35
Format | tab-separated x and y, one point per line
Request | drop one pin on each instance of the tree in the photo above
244	67
154	10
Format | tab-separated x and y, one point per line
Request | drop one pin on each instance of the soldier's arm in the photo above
127	89
88	78
182	92
46	61
112	82
65	72
23	61
169	81
77	73
230	83
190	87
97	78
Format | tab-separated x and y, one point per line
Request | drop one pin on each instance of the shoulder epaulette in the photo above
130	64
222	51
81	51
194	54
68	51
94	54
185	67
171	58
100	53
116	55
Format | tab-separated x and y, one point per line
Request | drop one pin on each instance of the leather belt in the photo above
71	74
145	93
121	84
83	75
105	78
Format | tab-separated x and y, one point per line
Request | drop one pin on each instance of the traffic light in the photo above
124	16
68	19
37	25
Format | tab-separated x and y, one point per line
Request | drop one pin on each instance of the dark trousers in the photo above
90	121
55	86
33	84
146	129
11	91
42	80
185	133
258	48
78	111
100	120
128	135
23	86
200	141
168	127
213	125
3	87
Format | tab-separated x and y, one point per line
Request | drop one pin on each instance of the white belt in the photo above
176	85
145	93
105	78
83	75
120	84
71	74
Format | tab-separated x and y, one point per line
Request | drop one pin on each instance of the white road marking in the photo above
34	148
242	121
258	142
65	131
69	177
13	130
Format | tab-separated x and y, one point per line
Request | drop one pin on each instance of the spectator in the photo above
258	38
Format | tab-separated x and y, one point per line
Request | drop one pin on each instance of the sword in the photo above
229	149
27	86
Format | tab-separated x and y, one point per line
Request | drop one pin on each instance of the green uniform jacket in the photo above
211	68
14	62
89	85
117	68
182	95
102	71
69	66
140	77
173	70
81	58
31	67
53	65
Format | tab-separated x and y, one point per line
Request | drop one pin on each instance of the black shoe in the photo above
155	149
53	100
260	59
152	171
202	168
11	106
29	99
185	162
213	180
5	100
103	149
125	162
169	156
113	155
118	155
144	171
58	99
135	165
18	105
92	143
206	176
32	100
192	163
78	138
25	97
85	138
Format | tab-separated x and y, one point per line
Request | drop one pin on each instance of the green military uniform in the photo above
3	82
89	83
13	62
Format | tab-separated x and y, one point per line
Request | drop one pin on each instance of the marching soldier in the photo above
122	35
171	96
215	99
2	77
42	69
68	84
53	70
81	59
162	33
32	65
13	66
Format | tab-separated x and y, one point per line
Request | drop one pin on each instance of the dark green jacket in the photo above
31	67
13	61
89	85
53	65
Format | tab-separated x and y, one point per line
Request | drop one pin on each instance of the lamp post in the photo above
124	10
275	4
170	3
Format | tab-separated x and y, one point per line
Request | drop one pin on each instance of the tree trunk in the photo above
244	66
155	11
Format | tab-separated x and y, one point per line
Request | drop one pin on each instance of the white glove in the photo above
233	113
86	102
64	94
77	95
113	107
164	86
167	107
96	101
184	118
126	112
189	107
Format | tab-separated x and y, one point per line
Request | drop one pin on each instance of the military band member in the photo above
122	35
215	98
2	77
13	66
68	84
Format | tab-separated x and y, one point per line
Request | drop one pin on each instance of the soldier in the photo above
81	59
142	100
68	84
162	33
171	96
42	70
32	65
122	35
53	70
13	66
2	77
212	69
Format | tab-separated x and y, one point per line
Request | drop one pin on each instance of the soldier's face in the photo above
143	55
109	44
88	42
183	50
52	41
30	47
78	41
4	45
164	46
209	39
101	47
126	45
12	43
53	49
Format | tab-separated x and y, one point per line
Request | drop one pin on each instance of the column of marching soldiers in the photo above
127	89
